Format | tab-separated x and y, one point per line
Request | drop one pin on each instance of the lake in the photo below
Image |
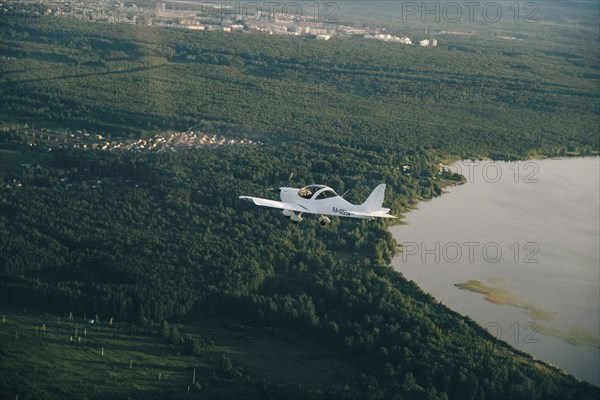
517	248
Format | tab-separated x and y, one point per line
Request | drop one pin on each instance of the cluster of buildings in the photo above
204	16
428	43
389	38
402	40
164	142
46	140
279	25
172	142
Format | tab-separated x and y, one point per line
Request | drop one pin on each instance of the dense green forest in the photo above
499	99
164	239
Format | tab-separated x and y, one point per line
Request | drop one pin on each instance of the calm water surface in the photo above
527	235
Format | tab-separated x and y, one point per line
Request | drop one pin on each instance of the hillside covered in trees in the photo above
163	239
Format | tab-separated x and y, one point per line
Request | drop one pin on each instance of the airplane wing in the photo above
374	214
275	204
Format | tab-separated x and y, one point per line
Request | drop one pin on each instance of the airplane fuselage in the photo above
334	205
323	200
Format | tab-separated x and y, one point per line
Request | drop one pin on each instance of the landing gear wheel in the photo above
323	220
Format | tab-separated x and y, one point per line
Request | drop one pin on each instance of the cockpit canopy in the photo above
318	192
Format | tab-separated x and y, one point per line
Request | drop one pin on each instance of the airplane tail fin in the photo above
375	201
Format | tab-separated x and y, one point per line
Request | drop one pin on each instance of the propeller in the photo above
272	189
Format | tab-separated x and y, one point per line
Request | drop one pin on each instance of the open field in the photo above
48	356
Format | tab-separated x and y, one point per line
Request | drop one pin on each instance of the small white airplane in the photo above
321	199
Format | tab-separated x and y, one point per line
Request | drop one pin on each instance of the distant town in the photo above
49	140
212	16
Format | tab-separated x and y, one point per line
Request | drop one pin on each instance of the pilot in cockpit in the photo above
305	192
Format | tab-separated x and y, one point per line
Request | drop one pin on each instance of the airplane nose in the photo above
284	193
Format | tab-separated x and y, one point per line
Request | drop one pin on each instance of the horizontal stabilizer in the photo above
374	214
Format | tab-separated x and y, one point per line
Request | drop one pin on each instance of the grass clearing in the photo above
45	356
